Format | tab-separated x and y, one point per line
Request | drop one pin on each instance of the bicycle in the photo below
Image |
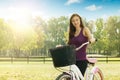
73	73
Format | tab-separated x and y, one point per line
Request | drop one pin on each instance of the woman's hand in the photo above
89	35
92	40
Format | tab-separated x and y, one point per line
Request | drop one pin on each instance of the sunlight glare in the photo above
21	17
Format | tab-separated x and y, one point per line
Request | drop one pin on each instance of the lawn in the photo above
41	71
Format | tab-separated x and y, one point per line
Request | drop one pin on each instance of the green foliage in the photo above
100	34
57	27
39	27
113	28
42	35
5	35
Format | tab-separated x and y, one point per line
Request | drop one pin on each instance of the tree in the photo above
57	27
113	27
5	34
39	26
101	35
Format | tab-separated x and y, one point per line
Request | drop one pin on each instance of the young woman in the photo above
78	35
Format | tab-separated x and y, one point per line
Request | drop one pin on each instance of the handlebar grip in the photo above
89	42
96	40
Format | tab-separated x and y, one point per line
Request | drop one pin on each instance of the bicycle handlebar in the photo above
84	45
88	42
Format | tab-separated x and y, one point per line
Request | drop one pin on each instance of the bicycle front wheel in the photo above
98	75
64	76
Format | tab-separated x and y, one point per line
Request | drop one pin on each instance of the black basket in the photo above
63	56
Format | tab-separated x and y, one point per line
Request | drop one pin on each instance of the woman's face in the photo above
75	21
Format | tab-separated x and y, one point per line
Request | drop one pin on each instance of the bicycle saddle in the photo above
92	60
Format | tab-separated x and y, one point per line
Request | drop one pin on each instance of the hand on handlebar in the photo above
92	40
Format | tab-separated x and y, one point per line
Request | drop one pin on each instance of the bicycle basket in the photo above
63	56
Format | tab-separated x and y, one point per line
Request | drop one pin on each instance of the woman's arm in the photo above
89	35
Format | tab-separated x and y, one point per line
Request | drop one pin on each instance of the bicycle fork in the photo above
90	72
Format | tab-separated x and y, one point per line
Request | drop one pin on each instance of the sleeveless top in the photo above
78	41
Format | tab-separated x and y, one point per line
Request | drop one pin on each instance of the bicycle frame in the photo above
76	72
90	72
77	75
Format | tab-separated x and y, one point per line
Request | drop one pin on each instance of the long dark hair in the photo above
72	28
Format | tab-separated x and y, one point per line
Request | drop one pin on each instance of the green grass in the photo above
41	71
110	70
31	71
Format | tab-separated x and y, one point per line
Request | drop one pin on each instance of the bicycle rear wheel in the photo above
64	76
98	75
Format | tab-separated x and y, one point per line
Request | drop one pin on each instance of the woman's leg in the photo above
82	65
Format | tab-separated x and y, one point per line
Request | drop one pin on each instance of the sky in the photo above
89	9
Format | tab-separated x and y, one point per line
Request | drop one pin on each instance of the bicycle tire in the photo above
64	76
98	75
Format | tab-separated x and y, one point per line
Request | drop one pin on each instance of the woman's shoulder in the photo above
86	29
